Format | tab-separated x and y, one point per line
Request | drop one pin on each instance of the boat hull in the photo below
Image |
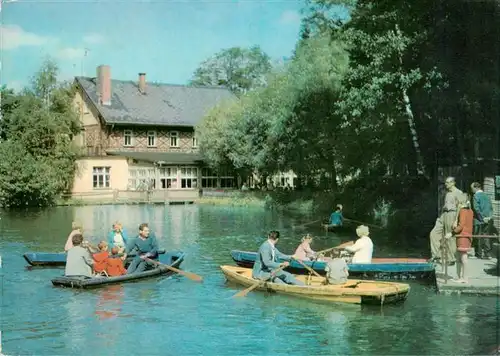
352	292
173	259
380	268
44	259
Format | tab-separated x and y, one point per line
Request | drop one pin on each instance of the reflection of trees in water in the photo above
483	325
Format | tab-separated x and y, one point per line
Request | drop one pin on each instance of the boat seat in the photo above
101	274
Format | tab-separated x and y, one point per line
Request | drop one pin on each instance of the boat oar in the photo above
308	223
191	276
244	292
363	223
341	246
309	268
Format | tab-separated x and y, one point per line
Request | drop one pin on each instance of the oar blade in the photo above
193	277
244	292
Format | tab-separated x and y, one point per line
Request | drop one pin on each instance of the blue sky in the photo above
166	39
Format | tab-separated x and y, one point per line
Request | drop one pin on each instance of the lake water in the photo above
175	316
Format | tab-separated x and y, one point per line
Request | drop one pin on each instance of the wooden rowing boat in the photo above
354	291
173	259
380	268
44	259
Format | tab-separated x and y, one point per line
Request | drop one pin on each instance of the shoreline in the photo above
226	201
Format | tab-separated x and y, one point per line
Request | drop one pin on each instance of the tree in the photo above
290	123
37	157
239	69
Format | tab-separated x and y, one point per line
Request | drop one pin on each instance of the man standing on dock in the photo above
441	234
483	211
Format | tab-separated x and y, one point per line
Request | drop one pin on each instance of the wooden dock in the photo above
480	282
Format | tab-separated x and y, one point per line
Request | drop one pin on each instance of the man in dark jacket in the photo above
268	260
483	213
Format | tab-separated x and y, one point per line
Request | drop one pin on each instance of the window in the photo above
100	177
189	177
208	178
497	187
226	179
128	138
195	140
168	177
174	139
141	178
151	138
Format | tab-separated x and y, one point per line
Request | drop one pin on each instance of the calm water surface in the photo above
175	316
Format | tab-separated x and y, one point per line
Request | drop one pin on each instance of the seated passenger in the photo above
117	237
101	258
304	251
337	219
363	247
76	228
146	247
267	261
79	261
115	264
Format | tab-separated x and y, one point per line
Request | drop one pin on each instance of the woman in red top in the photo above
463	230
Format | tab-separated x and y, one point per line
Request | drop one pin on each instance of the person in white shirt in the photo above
363	247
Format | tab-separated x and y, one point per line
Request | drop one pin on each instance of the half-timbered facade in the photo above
138	136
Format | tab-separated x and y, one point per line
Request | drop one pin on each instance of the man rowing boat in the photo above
267	261
146	247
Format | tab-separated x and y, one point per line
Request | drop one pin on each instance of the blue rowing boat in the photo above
52	259
380	268
171	258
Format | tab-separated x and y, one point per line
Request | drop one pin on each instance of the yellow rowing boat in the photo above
353	291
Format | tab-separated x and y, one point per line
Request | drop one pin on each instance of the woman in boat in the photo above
79	261
363	247
463	229
304	251
117	237
76	228
337	219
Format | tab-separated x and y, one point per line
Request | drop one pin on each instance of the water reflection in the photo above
109	303
202	318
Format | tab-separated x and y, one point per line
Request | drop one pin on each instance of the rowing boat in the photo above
354	291
173	259
52	259
380	268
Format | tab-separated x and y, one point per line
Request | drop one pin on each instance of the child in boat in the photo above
337	219
115	264
101	258
463	229
363	247
304	251
76	228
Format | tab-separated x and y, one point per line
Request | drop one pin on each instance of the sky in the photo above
166	39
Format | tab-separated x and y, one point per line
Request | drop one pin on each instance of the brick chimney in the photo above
104	84
142	83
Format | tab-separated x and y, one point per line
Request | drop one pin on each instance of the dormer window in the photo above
128	138
174	138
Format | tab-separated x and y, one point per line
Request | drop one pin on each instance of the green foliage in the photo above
239	69
37	158
377	96
286	124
